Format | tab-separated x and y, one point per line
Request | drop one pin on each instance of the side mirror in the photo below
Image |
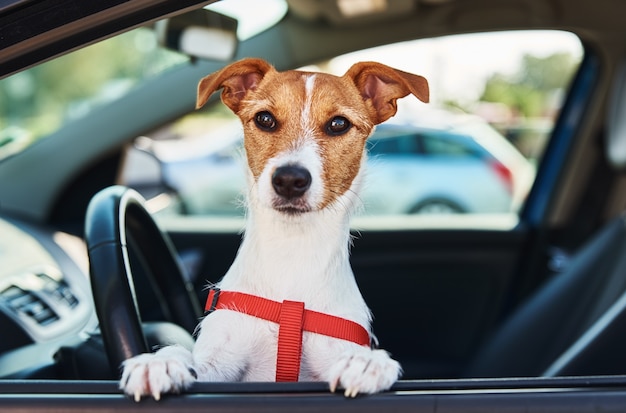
201	33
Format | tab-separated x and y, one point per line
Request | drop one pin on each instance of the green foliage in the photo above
41	98
530	91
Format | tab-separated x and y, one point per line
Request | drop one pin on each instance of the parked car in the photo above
457	164
485	312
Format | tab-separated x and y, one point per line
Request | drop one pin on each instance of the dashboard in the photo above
45	297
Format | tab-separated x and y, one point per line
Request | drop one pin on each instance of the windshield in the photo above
38	101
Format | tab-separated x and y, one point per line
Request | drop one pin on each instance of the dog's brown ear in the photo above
235	79
382	85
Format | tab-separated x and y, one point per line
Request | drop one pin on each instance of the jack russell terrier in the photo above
289	308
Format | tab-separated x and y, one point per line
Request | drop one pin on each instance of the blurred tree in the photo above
530	90
41	98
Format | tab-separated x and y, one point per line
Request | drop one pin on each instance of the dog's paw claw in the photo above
154	374
333	385
364	371
351	393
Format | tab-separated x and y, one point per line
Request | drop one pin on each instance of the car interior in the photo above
96	267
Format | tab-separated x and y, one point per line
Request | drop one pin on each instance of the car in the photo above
522	309
477	170
456	164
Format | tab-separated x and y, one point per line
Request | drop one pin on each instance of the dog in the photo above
304	141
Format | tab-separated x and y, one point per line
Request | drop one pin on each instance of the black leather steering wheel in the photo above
115	216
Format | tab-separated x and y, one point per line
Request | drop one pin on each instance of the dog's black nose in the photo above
291	181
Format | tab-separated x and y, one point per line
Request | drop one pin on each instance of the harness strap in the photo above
293	319
289	341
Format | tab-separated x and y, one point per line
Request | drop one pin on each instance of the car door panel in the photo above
446	291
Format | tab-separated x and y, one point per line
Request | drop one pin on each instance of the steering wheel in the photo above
116	220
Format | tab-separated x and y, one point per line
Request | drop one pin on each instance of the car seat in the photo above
574	325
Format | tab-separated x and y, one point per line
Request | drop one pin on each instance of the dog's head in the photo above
305	133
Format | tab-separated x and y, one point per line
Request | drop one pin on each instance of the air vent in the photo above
26	303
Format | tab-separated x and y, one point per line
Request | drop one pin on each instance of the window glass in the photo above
473	150
447	145
42	100
393	145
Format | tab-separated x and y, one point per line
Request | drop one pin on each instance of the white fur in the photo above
302	258
309	83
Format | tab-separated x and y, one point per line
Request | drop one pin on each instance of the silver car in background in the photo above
444	163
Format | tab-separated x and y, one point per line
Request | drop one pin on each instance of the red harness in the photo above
292	320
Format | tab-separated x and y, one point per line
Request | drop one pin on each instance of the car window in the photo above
394	145
448	145
43	101
472	151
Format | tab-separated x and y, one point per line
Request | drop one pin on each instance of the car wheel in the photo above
436	206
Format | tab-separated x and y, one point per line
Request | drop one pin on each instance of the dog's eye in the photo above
265	121
338	125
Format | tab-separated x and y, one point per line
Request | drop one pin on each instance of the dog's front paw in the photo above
155	374
364	371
